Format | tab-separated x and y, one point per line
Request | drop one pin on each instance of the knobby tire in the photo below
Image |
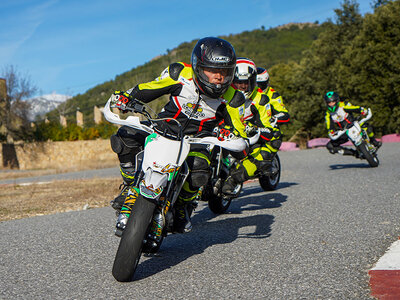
372	159
131	244
270	183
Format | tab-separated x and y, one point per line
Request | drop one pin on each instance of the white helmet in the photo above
262	78
246	71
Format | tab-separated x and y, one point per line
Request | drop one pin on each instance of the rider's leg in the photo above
127	142
199	165
244	170
334	146
371	136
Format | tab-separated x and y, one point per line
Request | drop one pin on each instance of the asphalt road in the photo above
315	237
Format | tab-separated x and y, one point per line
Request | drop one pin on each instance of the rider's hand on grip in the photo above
225	133
364	111
273	120
250	129
122	100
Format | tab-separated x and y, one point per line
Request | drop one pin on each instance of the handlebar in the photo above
339	133
235	144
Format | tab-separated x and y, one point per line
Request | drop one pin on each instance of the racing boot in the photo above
229	186
376	143
182	221
127	171
120	199
348	151
237	175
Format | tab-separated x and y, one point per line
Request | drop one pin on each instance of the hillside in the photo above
266	47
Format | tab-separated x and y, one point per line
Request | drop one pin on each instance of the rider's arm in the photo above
234	111
167	83
348	107
278	109
329	124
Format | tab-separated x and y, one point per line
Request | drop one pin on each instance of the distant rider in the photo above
261	110
339	113
199	94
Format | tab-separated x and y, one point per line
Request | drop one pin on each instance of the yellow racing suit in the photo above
257	112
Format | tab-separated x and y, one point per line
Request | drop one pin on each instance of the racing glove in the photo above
121	100
364	111
225	133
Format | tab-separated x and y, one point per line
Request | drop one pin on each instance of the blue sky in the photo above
70	46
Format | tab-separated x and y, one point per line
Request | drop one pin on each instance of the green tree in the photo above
317	71
369	71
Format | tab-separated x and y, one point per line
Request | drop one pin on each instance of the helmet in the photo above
246	71
332	96
213	53
262	78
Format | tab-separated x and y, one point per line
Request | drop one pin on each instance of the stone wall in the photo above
58	155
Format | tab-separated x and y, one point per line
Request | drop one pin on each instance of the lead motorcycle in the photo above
161	170
360	139
221	162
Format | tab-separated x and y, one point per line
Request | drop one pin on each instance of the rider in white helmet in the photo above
256	113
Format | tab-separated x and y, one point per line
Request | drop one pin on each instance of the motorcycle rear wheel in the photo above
270	183
131	244
371	158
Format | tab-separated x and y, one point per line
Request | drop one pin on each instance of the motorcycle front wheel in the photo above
131	244
371	158
270	182
219	204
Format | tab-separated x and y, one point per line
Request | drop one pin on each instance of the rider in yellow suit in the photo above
261	110
337	116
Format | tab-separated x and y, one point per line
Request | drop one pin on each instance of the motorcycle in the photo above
221	162
161	171
360	139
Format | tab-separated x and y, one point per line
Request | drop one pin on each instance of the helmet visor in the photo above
216	76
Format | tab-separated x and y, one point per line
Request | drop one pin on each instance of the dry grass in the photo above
21	201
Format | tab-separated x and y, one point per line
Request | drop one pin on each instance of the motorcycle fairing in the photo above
160	163
354	133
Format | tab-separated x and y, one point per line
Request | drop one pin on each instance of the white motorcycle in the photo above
161	170
359	137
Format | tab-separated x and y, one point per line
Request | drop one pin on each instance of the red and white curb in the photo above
385	276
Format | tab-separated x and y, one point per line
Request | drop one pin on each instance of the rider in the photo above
260	110
199	94
275	99
339	113
262	79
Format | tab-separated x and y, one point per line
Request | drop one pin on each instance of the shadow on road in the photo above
209	231
348	166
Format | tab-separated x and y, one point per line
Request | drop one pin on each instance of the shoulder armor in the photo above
264	99
275	95
237	100
175	69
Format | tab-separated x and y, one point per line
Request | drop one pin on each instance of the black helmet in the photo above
262	78
332	96
246	71
216	53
